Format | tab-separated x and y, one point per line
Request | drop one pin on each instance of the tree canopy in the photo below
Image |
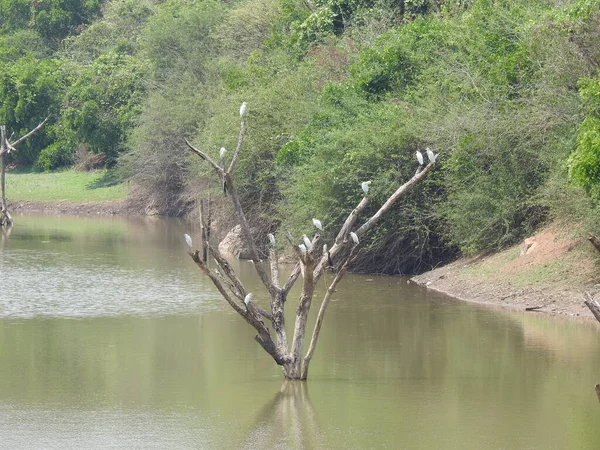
339	91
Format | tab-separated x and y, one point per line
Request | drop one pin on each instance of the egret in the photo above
243	109
354	237
430	154
317	223
189	242
365	186
248	299
302	248
271	239
307	242
419	157
222	152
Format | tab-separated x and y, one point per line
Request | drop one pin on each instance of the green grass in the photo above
68	185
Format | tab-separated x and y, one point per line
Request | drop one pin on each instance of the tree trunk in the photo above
5	219
5	147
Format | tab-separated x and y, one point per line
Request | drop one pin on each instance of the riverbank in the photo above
69	207
557	267
550	276
66	192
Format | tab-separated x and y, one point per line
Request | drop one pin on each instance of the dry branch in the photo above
5	147
311	263
592	304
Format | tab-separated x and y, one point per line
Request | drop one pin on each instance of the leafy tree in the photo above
584	162
30	90
103	101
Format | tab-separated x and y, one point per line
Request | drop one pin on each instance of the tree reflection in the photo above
5	235
286	421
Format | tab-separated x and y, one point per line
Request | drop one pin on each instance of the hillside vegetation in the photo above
338	92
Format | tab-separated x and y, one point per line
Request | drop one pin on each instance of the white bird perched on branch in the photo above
307	242
365	186
317	223
354	237
222	152
243	109
419	157
430	154
271	239
247	299
302	248
188	241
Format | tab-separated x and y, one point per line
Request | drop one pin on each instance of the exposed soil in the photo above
64	207
552	274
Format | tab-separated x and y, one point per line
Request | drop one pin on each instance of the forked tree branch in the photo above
310	265
321	315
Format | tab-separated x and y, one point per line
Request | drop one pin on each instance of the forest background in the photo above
338	92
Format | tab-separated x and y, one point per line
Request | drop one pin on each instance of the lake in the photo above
110	337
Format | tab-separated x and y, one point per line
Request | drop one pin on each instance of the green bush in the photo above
54	156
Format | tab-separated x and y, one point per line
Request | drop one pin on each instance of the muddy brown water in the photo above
111	338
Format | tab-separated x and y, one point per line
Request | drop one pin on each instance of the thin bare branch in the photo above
222	262
321	315
291	280
28	135
205	157
238	148
263	338
341	238
400	192
238	288
204	268
262	273
274	260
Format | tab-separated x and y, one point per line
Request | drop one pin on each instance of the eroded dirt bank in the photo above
552	274
65	207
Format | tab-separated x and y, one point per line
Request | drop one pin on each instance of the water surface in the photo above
111	338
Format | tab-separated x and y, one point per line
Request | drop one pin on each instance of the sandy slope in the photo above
556	269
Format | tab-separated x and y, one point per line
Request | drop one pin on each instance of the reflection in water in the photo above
287	421
5	235
110	338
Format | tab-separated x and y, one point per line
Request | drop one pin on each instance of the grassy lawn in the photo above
68	185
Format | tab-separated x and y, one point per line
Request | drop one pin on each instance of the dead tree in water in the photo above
5	148
313	259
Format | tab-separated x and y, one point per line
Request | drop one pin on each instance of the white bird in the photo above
271	239
354	237
419	157
302	248
189	242
430	154
365	186
317	223
222	152
247	299
307	242
243	109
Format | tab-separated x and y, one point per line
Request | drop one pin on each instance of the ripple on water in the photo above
50	284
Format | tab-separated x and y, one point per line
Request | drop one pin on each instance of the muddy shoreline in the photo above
551	299
70	208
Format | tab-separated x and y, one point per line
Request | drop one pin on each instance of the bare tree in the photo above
313	260
5	148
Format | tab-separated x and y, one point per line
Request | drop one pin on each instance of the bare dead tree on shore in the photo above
6	146
312	260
